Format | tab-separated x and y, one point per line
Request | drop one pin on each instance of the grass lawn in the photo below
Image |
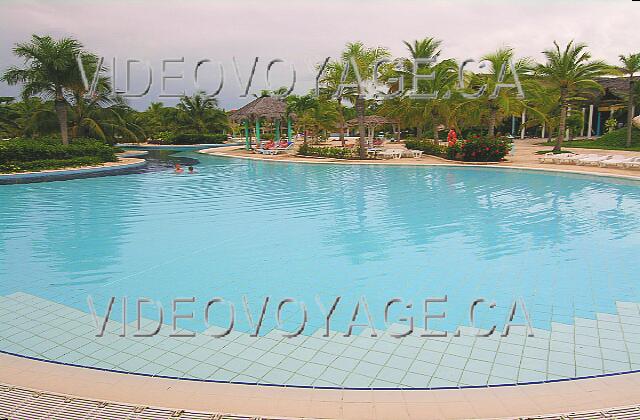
616	140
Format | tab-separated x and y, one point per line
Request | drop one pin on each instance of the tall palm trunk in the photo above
493	117
630	112
360	111
419	131
61	113
435	131
562	125
342	140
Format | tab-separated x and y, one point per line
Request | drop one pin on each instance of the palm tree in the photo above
364	58
494	109
424	48
305	108
50	68
331	79
417	110
572	72
631	65
29	118
200	114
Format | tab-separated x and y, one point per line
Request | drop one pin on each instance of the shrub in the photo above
40	165
195	138
332	152
430	147
48	149
483	149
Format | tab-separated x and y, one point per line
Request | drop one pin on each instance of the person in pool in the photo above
178	169
191	170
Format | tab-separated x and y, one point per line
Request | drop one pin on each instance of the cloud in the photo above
304	32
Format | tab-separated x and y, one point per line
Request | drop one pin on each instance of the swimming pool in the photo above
561	246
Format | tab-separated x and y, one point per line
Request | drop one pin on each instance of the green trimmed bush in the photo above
26	150
332	152
41	165
429	147
19	155
195	138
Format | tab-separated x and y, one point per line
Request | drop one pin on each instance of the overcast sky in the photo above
304	32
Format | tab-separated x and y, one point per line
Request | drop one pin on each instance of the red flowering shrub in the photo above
482	149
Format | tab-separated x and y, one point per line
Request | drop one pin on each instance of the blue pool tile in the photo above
473	378
311	369
345	363
414	380
504	371
334	375
395	375
451	360
561	369
448	373
367	369
527	375
442	383
355	380
376	357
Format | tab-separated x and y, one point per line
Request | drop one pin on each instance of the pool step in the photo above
609	343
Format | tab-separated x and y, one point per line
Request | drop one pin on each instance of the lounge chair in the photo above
633	163
551	157
593	161
284	149
574	158
412	153
618	160
390	154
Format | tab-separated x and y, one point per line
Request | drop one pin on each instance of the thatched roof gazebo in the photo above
264	108
373	121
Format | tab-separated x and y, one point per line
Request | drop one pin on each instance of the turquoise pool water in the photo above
564	244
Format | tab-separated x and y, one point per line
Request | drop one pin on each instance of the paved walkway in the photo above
524	157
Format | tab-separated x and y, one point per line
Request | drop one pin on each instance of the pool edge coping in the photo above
122	163
445	162
534	400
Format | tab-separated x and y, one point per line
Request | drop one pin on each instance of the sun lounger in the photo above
412	153
618	161
552	157
574	158
593	161
633	163
545	158
279	149
390	154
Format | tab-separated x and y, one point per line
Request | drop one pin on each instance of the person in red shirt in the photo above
452	137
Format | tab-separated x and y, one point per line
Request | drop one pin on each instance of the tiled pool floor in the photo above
43	329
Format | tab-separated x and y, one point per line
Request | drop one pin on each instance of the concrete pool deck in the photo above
253	400
524	157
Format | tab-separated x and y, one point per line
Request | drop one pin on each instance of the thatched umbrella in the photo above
263	108
373	121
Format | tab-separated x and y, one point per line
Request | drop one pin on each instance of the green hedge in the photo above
332	152
26	150
429	147
18	155
194	138
41	165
